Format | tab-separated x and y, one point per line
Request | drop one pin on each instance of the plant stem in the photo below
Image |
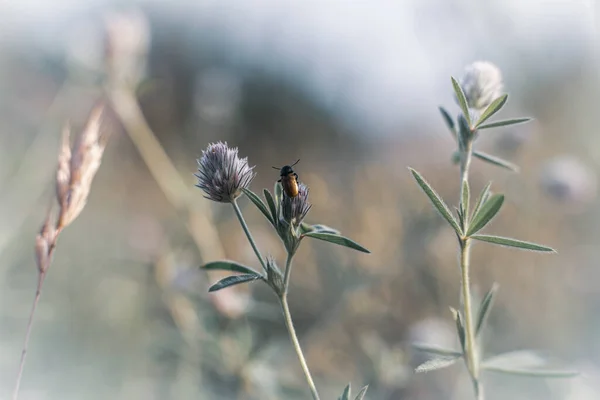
472	357
238	212
290	327
38	292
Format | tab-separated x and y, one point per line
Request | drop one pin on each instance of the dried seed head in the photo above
294	209
482	84
222	174
77	168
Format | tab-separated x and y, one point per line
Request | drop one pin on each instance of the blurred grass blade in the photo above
462	100
233	280
437	350
505	122
484	215
497	161
337	239
258	203
346	394
483	196
362	393
436	363
526	363
448	120
460	327
228	266
437	201
508	242
465	198
271	204
535	373
485	307
492	109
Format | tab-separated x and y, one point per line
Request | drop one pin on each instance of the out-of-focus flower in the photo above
127	44
294	209
482	84
222	174
568	181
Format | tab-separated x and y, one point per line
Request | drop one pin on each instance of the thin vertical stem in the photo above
465	252
290	327
238	212
36	300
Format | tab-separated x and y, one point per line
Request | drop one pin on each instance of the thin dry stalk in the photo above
75	173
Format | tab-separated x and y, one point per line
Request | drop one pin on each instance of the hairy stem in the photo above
36	300
472	356
238	212
290	327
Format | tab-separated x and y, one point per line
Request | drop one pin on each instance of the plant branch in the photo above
472	357
290	327
238	212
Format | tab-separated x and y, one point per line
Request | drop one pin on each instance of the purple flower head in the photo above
222	174
294	209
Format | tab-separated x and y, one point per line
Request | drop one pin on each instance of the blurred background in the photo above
350	88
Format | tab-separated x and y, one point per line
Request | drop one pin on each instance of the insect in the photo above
289	179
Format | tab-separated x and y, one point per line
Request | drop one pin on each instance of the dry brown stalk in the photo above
76	169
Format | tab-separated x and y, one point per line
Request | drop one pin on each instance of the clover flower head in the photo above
222	174
481	84
294	209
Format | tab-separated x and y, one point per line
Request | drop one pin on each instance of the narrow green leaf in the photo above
448	120
465	135
437	201
505	122
465	198
485	307
488	210
346	394
436	363
461	217
258	203
508	242
536	373
497	161
278	191
460	327
483	196
271	204
228	266
233	280
437	350
462	100
325	229
492	109
362	393
337	239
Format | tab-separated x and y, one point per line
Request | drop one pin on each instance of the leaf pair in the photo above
348	393
247	274
492	109
486	208
321	232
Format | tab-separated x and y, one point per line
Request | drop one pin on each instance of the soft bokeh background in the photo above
350	88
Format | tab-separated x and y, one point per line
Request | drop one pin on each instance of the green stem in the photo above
238	212
472	356
290	327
